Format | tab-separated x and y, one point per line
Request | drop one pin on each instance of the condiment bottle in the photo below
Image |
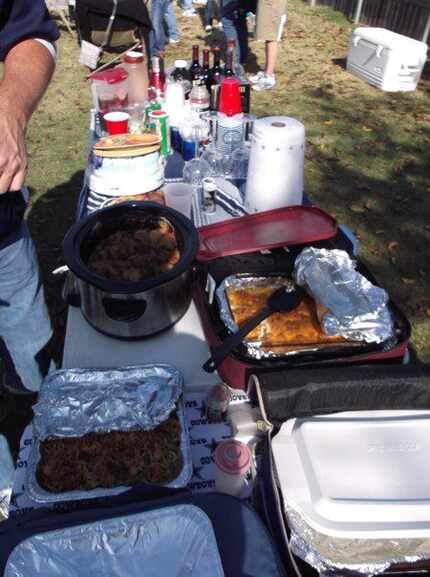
138	82
233	461
217	402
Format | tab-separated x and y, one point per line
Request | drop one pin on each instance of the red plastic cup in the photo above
229	100
116	122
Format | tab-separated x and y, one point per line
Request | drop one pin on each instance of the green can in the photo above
160	120
151	106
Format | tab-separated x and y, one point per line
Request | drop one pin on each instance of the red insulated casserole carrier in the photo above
265	244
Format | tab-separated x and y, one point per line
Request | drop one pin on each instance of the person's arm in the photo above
28	68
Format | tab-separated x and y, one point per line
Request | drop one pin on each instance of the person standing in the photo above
162	10
271	18
233	19
27	35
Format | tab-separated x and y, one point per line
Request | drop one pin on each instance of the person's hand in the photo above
13	153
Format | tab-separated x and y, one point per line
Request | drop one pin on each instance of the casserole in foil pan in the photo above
78	402
124	547
274	338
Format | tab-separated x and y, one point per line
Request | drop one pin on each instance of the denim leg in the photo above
231	34
25	328
170	18
157	39
209	12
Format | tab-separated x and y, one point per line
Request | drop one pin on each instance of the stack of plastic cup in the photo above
230	118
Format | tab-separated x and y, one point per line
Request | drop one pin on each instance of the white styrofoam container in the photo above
388	60
358	474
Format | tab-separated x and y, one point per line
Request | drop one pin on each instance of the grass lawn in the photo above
367	154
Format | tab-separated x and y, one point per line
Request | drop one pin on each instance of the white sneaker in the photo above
208	28
255	78
189	13
200	2
219	25
173	40
266	82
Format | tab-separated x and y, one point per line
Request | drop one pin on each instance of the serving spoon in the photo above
282	300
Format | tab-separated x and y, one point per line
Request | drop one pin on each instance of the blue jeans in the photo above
25	328
235	27
211	12
161	10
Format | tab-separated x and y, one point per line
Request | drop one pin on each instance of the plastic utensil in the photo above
280	301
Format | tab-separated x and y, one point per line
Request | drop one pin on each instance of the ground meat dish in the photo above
138	253
111	459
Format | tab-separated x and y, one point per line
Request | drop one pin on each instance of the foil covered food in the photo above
240	297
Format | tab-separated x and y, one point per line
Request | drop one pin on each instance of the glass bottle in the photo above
195	68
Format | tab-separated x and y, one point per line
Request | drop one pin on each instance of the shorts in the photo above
271	18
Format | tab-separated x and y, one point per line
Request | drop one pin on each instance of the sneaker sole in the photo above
261	89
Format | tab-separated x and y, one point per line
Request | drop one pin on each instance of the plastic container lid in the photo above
111	76
133	57
358	474
233	457
180	63
265	230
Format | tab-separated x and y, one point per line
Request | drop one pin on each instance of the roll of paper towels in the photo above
276	164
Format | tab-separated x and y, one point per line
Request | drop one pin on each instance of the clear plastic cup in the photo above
179	195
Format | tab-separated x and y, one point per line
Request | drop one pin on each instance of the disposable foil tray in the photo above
256	349
112	378
174	541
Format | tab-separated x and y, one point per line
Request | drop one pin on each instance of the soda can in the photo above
161	121
151	106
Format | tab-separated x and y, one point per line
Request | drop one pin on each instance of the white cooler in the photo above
388	60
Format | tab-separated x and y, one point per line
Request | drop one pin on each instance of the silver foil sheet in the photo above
255	349
166	376
358	309
336	556
174	541
74	402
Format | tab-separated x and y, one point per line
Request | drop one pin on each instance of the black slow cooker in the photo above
129	309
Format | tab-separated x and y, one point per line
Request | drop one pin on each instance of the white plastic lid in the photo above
180	63
358	475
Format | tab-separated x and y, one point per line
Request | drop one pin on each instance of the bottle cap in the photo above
233	457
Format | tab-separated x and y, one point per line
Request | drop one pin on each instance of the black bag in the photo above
113	25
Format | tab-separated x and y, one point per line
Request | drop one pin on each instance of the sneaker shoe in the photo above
266	82
200	2
189	13
255	78
173	40
208	28
220	25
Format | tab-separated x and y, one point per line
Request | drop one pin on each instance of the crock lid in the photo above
111	76
233	457
77	235
265	230
133	57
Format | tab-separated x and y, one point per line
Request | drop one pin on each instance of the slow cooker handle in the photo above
125	311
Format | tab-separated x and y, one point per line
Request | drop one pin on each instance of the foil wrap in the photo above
340	556
255	349
126	546
7	475
53	413
74	402
358	309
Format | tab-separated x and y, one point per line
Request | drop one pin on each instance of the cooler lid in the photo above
389	39
265	230
358	474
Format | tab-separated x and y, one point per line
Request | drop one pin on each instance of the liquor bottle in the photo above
157	79
199	97
195	68
216	71
206	73
228	69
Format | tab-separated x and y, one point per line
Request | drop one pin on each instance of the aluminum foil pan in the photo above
333	556
74	402
255	349
123	546
38	494
358	310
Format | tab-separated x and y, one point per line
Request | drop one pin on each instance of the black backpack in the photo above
113	24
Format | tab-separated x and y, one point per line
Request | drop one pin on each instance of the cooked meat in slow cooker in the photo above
136	254
111	459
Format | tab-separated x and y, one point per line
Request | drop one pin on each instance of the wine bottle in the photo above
216	71
195	68
228	69
206	74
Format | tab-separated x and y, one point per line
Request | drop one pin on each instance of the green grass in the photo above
367	155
